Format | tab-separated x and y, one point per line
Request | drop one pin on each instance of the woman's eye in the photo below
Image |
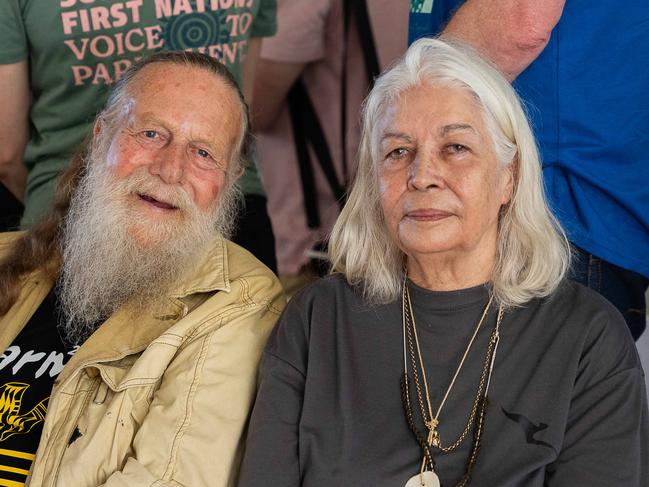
457	148
398	153
150	134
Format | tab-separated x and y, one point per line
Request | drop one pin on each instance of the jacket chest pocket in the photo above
103	438
122	411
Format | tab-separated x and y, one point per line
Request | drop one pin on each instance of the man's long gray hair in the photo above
103	265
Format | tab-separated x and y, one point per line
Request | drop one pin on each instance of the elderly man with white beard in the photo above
132	328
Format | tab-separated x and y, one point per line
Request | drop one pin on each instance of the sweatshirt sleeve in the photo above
606	441
271	456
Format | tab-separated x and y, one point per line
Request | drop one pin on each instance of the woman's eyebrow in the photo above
396	135
453	127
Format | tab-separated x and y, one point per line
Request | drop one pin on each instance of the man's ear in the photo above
239	172
96	130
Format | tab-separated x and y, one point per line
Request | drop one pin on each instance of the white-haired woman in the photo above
448	347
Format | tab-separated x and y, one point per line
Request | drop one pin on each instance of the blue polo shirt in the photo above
587	96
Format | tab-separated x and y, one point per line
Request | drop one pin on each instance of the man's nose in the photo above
426	172
169	164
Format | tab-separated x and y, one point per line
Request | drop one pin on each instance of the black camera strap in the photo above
307	129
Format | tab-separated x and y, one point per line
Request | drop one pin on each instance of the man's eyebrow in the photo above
144	119
211	145
452	127
396	135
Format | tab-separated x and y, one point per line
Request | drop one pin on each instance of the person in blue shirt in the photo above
582	69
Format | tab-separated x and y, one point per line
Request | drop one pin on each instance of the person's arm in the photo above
193	434
606	440
300	40
250	68
511	33
274	79
14	126
272	456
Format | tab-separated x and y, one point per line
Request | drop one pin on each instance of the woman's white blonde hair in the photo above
533	254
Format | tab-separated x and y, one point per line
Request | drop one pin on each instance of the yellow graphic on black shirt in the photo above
11	421
14	467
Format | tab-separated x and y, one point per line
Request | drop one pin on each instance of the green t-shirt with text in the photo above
77	48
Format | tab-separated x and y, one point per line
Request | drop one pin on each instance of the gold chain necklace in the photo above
432	421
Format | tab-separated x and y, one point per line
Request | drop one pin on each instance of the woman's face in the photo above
440	185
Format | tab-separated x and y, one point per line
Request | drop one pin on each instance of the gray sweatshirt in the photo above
567	398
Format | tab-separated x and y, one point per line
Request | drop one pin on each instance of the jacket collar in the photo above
210	272
131	331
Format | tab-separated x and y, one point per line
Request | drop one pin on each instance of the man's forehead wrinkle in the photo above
151	80
213	114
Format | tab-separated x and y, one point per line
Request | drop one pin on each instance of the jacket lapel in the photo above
33	292
131	330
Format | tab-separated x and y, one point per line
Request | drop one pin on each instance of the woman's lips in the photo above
428	215
157	203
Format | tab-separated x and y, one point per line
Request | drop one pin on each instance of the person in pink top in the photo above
323	46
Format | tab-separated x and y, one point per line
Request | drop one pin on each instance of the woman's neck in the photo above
444	272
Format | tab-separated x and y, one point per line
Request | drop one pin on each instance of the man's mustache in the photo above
141	183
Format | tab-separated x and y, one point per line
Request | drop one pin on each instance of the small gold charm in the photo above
433	434
435	440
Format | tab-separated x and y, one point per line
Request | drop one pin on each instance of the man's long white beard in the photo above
113	253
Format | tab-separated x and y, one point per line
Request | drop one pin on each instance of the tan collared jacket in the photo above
158	400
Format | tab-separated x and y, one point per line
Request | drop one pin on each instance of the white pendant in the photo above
425	479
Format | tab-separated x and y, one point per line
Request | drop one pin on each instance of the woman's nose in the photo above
425	173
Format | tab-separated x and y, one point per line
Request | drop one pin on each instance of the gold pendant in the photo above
424	479
433	434
435	440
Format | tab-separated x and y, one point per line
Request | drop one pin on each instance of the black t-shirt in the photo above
28	368
567	403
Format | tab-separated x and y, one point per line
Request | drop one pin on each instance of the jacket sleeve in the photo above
193	432
271	456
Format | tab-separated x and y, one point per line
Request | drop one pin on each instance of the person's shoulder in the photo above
307	317
7	239
242	263
327	290
578	306
230	285
323	303
597	325
7	242
243	267
578	300
230	293
323	295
